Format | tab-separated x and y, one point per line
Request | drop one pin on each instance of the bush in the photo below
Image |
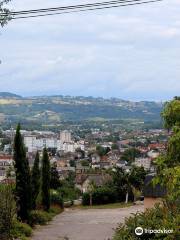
21	230
101	195
85	199
68	192
155	218
53	211
56	198
39	217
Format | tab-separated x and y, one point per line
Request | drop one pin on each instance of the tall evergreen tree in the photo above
45	180
23	186
54	182
35	180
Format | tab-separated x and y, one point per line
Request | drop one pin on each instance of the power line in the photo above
77	8
74	6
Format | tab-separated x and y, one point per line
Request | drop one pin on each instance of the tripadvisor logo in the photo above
139	231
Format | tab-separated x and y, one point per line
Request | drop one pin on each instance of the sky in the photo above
131	53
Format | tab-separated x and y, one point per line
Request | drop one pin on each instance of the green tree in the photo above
171	113
102	151
35	180
166	215
168	165
4	13
136	179
7	211
91	188
115	146
54	180
85	163
23	183
45	180
4	142
130	154
72	163
128	182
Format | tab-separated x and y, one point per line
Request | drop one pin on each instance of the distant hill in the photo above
56	109
9	95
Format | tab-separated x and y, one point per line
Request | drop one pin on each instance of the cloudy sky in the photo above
131	53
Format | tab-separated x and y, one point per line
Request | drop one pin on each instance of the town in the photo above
89	120
88	156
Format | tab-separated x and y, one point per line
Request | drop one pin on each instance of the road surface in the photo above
84	224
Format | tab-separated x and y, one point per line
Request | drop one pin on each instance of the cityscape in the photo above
89	120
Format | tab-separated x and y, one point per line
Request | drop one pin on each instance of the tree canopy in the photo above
171	113
4	13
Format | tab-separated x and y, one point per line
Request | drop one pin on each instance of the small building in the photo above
6	162
85	180
143	162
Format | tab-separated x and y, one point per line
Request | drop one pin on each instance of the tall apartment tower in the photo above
65	136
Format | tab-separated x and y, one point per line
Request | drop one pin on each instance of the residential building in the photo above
65	136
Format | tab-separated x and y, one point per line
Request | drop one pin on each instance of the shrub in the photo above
56	198
156	218
101	195
85	199
21	230
53	211
39	217
68	192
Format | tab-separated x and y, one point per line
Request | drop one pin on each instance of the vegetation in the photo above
35	180
39	217
85	163
4	13
54	177
56	198
130	154
7	211
127	183
20	230
100	195
67	189
45	180
168	175
121	188
106	206
18	200
155	218
4	142
23	184
102	151
34	113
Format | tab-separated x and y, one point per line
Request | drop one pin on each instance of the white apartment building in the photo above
143	162
65	136
35	143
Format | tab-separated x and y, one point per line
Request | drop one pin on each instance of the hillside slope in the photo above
54	109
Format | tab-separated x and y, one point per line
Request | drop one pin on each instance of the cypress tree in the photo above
35	180
54	182
23	188
45	181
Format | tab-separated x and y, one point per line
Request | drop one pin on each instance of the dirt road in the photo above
89	224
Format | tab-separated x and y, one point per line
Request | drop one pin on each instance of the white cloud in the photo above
129	52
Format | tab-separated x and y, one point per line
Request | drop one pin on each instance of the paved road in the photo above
89	224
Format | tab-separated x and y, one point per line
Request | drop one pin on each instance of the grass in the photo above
105	206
